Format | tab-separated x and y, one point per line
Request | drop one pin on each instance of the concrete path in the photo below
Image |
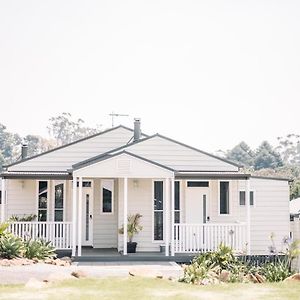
21	274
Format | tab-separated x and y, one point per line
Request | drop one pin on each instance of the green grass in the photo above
140	288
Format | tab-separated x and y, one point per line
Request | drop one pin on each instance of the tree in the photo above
267	157
289	148
9	146
65	130
241	153
37	144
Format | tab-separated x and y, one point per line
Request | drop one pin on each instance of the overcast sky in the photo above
207	73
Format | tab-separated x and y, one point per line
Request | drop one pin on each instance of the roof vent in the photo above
137	129
24	151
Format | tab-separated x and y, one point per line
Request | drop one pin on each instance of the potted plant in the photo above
133	227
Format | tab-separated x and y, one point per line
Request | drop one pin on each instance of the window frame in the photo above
154	210
48	199
177	210
112	198
229	198
254	195
57	182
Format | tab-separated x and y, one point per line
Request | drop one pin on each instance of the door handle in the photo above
91	217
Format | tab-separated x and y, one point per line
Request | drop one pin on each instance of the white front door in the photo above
196	205
87	216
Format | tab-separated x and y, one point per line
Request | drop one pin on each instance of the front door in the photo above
87	215
196	204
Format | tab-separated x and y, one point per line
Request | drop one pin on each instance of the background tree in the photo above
37	144
289	148
66	130
241	153
267	157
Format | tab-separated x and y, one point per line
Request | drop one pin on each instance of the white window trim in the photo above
230	198
254	196
163	211
112	199
48	199
55	182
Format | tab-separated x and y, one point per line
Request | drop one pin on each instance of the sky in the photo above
208	73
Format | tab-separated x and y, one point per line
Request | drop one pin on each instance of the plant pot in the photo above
131	247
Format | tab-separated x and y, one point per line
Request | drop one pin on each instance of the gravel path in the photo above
21	274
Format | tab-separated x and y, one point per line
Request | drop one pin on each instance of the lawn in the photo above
141	288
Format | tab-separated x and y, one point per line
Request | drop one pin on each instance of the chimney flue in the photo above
24	151
137	129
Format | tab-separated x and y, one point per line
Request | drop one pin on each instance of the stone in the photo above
145	272
67	259
224	275
33	283
5	262
294	277
55	277
79	274
48	261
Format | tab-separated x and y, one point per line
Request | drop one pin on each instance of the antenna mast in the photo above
113	115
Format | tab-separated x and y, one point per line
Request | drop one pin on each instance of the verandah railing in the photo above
58	233
191	238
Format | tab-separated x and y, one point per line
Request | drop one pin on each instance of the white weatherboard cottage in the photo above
190	200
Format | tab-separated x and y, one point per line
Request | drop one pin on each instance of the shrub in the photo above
11	246
39	249
24	218
277	270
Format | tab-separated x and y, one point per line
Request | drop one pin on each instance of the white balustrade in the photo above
58	233
192	238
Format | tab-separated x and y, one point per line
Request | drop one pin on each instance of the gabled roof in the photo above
109	156
119	135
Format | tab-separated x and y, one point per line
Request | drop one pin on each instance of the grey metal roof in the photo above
212	175
36	175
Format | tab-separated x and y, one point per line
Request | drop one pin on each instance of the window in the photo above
224	197
85	184
158	210
59	202
243	198
107	196
177	202
198	184
42	200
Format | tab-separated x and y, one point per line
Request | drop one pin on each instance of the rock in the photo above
5	262
33	283
145	272
61	263
48	261
35	260
79	274
67	259
55	277
224	276
294	277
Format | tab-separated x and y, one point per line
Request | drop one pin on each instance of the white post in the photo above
74	216
80	217
167	217
247	199
172	216
125	203
3	200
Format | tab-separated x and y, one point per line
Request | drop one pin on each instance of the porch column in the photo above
125	203
167	217
80	217
247	199
172	216
3	199
74	216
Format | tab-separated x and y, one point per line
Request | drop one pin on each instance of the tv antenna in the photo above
113	115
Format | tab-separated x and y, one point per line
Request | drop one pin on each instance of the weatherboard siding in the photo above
63	159
177	156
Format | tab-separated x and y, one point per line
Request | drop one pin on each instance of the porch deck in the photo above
90	254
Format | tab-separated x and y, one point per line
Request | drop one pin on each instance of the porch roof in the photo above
36	175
